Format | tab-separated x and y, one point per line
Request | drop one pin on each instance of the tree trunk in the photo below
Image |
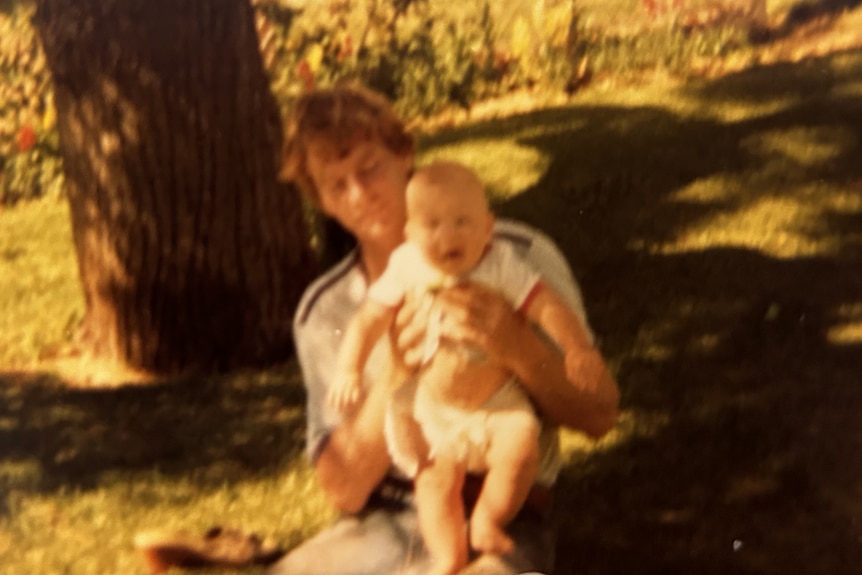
191	254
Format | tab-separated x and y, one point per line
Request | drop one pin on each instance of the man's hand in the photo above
480	317
471	314
576	392
409	329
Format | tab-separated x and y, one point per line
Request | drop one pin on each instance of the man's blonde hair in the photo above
341	116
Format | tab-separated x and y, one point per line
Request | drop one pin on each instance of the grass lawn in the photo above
716	229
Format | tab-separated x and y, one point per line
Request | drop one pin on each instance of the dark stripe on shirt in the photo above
337	274
514	237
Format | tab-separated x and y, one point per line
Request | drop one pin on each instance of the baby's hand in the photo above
345	395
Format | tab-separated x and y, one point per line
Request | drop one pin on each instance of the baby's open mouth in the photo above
452	255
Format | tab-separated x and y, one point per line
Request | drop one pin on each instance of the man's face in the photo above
362	189
451	227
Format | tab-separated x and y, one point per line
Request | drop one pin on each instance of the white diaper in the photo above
462	434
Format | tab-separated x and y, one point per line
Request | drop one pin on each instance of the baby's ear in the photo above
490	225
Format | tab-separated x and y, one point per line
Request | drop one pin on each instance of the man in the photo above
350	154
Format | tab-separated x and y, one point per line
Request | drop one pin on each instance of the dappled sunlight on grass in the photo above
658	341
743	96
847	329
778	225
83	470
777	205
632	424
688	107
848	65
849	90
93	529
803	147
40	294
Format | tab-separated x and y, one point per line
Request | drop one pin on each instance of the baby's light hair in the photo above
448	175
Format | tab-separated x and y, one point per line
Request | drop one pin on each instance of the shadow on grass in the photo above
215	429
754	464
749	455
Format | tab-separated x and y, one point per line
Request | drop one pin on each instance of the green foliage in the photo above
422	56
29	160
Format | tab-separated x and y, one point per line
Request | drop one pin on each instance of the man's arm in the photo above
581	395
355	458
548	311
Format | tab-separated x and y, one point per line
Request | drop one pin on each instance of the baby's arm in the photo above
551	313
369	324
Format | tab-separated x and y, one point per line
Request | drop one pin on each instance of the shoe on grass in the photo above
219	547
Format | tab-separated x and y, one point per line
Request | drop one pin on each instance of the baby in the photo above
473	416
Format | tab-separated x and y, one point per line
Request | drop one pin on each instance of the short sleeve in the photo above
321	319
508	272
540	252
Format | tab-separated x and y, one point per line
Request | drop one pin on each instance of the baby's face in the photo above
452	227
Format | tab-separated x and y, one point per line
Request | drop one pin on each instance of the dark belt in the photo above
393	491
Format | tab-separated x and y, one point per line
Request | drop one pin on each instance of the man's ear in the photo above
409	162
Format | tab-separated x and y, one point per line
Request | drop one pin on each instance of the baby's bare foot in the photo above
488	537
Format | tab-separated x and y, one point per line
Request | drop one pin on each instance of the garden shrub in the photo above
29	159
419	54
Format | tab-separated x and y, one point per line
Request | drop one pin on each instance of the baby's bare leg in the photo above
441	514
513	460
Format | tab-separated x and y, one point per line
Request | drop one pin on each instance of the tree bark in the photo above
191	254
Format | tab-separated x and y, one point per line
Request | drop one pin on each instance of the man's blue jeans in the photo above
384	539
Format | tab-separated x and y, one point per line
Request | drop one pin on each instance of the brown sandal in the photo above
218	547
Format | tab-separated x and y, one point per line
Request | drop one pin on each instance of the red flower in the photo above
306	75
26	138
346	49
